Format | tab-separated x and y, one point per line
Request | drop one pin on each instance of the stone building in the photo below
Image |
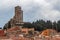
17	19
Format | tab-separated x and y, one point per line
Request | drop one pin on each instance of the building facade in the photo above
18	17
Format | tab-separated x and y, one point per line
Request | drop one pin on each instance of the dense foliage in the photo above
40	25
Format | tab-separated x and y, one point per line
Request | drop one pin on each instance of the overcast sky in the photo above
32	9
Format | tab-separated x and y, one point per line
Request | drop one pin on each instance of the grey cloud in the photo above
57	6
33	9
30	13
45	10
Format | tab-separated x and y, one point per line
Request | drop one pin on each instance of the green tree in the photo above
49	24
58	26
55	25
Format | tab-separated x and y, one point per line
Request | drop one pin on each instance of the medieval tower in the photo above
18	14
18	17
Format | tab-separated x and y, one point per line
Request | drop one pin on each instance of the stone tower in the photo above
18	14
18	17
